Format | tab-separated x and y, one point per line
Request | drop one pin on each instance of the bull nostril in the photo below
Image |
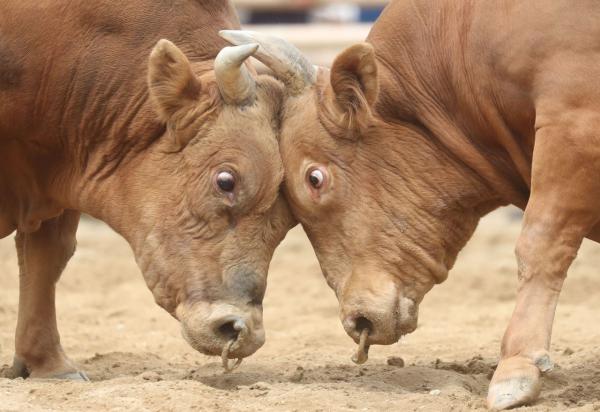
231	328
363	323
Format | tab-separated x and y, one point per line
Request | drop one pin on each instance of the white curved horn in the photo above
236	84
286	61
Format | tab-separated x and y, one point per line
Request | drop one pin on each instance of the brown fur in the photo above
481	104
92	121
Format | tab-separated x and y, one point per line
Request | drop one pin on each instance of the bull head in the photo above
333	158
217	218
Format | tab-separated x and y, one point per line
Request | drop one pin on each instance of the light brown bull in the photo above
178	154
452	109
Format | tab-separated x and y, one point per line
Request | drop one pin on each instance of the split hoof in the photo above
20	370
516	382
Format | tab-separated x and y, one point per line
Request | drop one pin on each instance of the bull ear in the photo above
171	82
355	86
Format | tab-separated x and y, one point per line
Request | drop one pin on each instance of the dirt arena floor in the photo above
137	361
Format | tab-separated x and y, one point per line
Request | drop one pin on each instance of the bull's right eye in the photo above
226	181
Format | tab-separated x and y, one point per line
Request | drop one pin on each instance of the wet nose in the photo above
355	325
229	327
380	330
244	333
211	328
369	299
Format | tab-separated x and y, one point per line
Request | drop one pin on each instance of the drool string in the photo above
229	367
362	353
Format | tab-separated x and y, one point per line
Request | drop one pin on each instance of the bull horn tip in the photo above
229	35
235	82
286	61
252	48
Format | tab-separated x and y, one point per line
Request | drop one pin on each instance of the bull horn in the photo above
286	61
236	84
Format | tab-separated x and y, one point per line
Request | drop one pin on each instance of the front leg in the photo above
42	257
544	253
563	208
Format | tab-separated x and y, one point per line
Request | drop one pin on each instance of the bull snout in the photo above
377	307
382	328
210	328
230	327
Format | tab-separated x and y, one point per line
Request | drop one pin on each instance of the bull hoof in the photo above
516	382
19	370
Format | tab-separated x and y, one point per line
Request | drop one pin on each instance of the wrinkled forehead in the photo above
300	117
251	135
308	102
303	134
259	119
267	174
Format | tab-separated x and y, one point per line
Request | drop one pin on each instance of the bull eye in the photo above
226	181
316	178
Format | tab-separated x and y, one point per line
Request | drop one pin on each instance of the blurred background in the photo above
320	28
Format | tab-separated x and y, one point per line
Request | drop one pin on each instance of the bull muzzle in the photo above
377	307
223	329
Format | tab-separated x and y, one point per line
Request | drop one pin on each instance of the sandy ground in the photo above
137	360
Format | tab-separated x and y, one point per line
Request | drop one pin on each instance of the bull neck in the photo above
404	100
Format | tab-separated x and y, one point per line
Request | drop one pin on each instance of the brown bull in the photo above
178	154
452	109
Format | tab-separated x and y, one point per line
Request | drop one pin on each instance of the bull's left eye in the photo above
317	177
226	181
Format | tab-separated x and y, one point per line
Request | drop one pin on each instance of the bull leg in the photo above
42	257
562	210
